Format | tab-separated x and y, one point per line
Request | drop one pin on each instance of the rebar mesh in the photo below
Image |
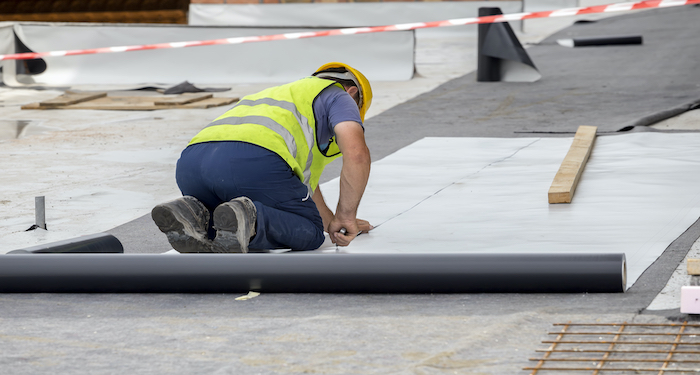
620	348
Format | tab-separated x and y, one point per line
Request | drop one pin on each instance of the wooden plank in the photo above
128	103
693	266
566	179
211	102
182	99
32	106
137	103
71	98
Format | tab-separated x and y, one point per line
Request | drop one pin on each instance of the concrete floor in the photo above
56	156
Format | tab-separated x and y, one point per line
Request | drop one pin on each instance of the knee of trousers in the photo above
314	241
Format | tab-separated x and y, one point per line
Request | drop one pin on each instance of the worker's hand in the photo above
364	226
336	228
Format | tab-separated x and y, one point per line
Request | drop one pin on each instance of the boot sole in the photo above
228	230
180	233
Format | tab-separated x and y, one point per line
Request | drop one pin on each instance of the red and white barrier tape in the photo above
364	30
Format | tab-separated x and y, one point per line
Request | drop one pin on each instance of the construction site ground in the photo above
617	88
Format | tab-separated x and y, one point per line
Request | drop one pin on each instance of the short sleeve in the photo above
333	106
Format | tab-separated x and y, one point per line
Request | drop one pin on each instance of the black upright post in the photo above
488	68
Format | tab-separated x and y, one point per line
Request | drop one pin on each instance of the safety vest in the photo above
280	119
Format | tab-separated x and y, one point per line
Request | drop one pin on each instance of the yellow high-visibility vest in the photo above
280	119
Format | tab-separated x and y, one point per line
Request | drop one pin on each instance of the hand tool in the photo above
342	231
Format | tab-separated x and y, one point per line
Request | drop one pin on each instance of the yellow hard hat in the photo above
360	80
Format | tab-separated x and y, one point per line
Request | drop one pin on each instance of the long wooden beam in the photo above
566	179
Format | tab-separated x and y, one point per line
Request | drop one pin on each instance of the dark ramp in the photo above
612	87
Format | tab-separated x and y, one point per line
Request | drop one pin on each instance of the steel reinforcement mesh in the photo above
620	348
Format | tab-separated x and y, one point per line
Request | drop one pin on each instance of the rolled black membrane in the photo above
497	42
313	273
92	243
607	41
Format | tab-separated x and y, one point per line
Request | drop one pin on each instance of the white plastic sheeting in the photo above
380	56
7	43
340	15
638	193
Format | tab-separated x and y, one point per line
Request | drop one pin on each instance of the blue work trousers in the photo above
217	172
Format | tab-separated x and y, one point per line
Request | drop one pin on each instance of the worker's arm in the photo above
327	215
353	180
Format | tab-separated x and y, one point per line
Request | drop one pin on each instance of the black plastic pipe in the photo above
313	273
92	243
603	41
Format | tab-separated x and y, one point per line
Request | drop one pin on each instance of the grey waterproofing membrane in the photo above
297	333
624	86
462	198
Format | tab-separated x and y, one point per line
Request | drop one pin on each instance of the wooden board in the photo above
141	103
693	266
566	179
71	98
182	99
209	103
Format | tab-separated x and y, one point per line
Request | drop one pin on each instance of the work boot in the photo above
184	221
234	222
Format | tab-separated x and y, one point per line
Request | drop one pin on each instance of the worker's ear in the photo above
354	92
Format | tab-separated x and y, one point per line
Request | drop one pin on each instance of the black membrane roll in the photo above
602	41
93	243
313	273
610	40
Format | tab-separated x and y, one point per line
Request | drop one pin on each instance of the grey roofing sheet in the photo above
612	87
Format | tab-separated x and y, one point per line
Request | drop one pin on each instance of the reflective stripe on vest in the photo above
312	86
266	122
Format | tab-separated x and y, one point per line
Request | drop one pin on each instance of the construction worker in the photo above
250	178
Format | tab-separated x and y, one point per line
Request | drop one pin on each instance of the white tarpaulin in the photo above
380	56
638	193
345	14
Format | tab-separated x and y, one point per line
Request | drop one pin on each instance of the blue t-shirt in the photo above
331	107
